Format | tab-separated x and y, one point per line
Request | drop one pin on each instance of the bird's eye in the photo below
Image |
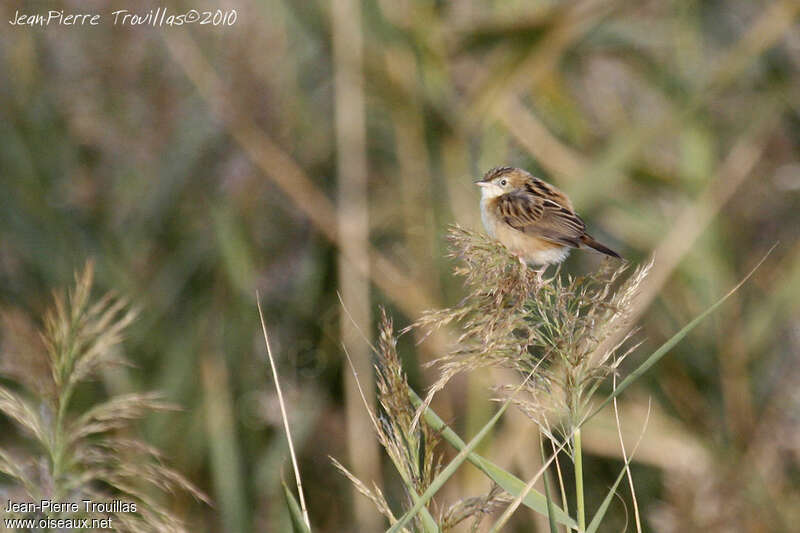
503	183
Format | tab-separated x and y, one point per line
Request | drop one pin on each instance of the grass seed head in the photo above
511	319
84	455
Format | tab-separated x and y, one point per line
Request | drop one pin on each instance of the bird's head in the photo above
502	180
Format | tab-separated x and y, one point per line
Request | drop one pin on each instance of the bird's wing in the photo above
536	214
538	187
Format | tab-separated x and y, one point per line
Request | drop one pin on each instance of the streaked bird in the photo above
532	218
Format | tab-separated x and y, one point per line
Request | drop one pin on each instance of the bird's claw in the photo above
540	273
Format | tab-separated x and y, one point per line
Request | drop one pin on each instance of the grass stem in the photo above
285	418
579	480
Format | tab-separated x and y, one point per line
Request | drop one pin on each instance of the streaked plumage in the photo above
533	219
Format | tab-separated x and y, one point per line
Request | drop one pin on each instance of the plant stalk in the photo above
579	480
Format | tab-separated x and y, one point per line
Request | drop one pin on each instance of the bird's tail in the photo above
591	243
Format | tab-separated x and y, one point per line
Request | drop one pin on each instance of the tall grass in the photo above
510	319
85	452
552	333
204	166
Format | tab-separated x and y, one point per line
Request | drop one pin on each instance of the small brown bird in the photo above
531	218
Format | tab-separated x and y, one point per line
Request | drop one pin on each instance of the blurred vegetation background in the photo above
316	147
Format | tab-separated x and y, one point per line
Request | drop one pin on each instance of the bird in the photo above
532	218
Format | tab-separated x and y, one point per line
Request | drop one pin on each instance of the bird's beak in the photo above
481	183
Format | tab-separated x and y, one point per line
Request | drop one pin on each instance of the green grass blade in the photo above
551	519
675	339
451	468
298	525
509	482
429	525
448	471
601	511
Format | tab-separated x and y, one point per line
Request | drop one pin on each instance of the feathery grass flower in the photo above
87	455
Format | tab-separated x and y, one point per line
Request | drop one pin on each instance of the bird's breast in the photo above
532	249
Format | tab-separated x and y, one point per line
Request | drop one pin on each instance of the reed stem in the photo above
579	480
